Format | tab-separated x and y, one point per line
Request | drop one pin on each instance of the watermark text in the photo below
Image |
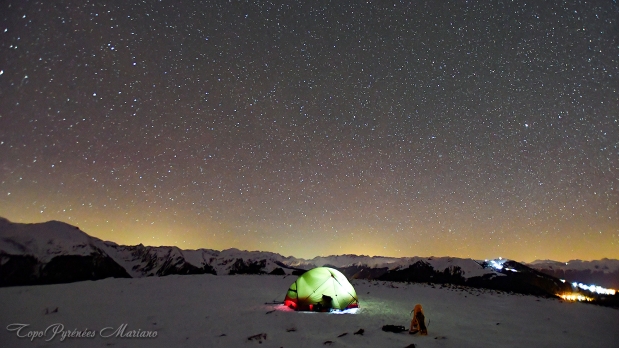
59	332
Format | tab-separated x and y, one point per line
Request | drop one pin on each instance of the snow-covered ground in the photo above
224	311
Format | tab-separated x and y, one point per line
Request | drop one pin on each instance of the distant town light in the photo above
594	288
574	297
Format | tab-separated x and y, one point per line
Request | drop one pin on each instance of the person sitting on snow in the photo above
418	323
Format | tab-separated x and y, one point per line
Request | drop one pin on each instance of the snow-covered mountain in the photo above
42	244
604	265
52	252
34	247
45	241
56	252
604	272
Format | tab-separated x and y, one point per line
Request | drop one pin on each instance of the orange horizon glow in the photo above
191	234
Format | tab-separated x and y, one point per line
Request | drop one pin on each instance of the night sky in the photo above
408	128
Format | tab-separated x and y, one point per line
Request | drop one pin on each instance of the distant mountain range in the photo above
604	272
56	252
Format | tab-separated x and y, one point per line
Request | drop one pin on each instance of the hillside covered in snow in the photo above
243	311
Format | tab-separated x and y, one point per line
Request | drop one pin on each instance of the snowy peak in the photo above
234	261
466	267
604	265
348	260
44	241
40	245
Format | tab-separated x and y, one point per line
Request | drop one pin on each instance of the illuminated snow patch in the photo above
345	311
284	308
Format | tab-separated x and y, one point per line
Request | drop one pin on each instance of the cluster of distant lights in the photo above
498	265
593	288
575	297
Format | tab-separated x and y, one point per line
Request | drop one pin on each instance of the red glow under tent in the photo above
321	288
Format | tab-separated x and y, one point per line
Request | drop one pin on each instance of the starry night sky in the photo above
397	128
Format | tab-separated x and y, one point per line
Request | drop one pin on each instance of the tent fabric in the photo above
318	287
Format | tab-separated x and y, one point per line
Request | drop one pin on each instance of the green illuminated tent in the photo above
321	288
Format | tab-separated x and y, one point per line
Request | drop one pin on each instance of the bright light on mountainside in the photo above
594	288
575	297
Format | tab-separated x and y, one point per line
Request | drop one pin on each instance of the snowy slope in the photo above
215	311
44	241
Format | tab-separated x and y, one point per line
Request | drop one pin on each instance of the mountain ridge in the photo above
53	252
